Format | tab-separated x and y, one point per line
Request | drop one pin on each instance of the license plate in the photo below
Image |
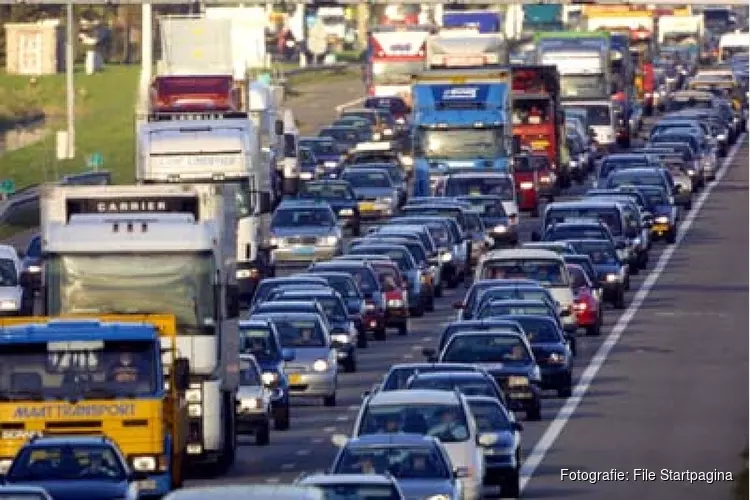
539	144
660	228
367	207
295	379
148	484
304	250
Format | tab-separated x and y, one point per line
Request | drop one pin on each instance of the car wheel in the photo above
282	422
634	268
361	340
565	392
643	260
356	230
511	487
418	311
330	400
263	435
594	330
620	302
534	413
689	205
403	329
379	334
672	237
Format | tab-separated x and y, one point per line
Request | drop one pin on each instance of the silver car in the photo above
277	492
364	485
254	413
314	371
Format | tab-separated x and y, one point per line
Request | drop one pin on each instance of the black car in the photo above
346	138
477	383
611	272
665	213
398	375
553	351
260	338
339	195
349	291
472	325
269	285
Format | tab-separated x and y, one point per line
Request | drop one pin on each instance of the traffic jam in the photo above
514	189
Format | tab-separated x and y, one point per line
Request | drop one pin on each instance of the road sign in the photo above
317	39
7	187
95	160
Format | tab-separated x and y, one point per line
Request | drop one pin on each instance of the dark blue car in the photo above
84	468
339	195
325	151
260	338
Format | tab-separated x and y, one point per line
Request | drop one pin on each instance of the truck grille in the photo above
77	427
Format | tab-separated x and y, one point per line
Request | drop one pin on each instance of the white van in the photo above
600	117
544	266
733	43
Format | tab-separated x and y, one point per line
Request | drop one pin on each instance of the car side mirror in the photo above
535	236
181	374
279	127
517	426
430	354
287	355
570	338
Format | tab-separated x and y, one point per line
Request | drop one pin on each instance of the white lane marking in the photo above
318	440
416	348
329	429
349	104
288	466
408	356
273	480
426	339
342	418
353	408
302	453
556	427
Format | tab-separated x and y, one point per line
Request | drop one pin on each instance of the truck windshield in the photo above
59	370
583	86
174	283
462	144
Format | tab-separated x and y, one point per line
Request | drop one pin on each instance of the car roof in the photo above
315	292
392	439
413	396
480	174
255	323
517	302
538	317
577	224
291	279
627	156
594	202
417	366
286	304
452	375
520	336
355	479
303	203
639	170
489	322
484	399
289	315
221	492
521	253
44	441
315	139
335	182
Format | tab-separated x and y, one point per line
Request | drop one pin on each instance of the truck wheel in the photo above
263	435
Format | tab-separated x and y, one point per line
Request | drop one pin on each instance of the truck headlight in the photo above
446	257
193	396
330	240
499	229
144	464
346	212
269	378
320	365
662	219
195	410
8	305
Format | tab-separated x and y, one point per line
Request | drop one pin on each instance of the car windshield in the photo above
502	293
468	387
596	115
364	491
249	376
402	258
680	104
625	178
610	216
367	179
394	105
325	190
259	342
66	463
363	278
490	348
445	422
345	135
333	307
368	116
300	217
402	462
609	166
321	147
488	207
546	272
490	416
655	197
344	285
539	330
502	308
266	287
472	186
8	274
35	248
299	332
573	232
600	252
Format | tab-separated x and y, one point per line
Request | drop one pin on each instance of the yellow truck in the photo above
112	375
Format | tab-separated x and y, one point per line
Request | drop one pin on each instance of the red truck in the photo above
538	119
194	94
643	51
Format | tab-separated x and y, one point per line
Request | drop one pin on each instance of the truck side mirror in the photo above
279	127
181	374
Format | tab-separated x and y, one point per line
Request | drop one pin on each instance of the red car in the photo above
587	306
534	180
395	293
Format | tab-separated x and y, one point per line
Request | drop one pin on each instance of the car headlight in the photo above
144	464
407	161
35	269
306	175
320	365
5	465
556	358
691	171
611	277
193	396
499	229
341	338
446	257
721	137
637	241
387	199
662	219
346	212
527	185
330	164
330	240
8	305
369	306
195	410
251	404
517	381
269	378
395	303
400	121
388	131
376	136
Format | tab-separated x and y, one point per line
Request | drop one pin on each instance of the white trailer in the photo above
680	27
161	249
463	49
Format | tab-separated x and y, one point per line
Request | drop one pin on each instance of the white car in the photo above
441	414
13	299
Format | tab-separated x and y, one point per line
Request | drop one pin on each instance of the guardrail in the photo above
319	67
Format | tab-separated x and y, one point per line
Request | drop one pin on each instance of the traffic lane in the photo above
314	103
673	394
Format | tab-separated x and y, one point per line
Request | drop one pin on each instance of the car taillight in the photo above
580	306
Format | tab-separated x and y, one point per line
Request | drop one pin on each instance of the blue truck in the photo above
461	121
543	17
483	21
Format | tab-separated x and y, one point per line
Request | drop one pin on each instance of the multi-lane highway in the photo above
664	387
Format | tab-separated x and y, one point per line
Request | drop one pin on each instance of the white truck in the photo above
464	49
334	23
161	249
675	30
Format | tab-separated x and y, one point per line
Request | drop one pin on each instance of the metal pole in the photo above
70	87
